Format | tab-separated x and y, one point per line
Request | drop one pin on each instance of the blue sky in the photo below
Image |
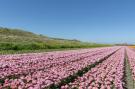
105	21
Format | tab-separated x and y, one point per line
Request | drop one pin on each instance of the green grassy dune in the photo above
16	40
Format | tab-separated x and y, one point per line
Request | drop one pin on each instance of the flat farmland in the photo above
95	68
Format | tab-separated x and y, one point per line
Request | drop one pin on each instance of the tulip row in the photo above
43	69
107	75
131	59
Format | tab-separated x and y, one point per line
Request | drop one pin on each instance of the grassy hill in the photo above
16	39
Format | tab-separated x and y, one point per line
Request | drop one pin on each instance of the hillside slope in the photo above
16	39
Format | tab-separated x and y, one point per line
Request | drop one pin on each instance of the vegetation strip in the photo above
129	82
80	73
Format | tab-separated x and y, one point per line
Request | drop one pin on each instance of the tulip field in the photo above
95	68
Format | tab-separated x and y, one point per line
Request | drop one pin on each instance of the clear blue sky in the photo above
106	21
